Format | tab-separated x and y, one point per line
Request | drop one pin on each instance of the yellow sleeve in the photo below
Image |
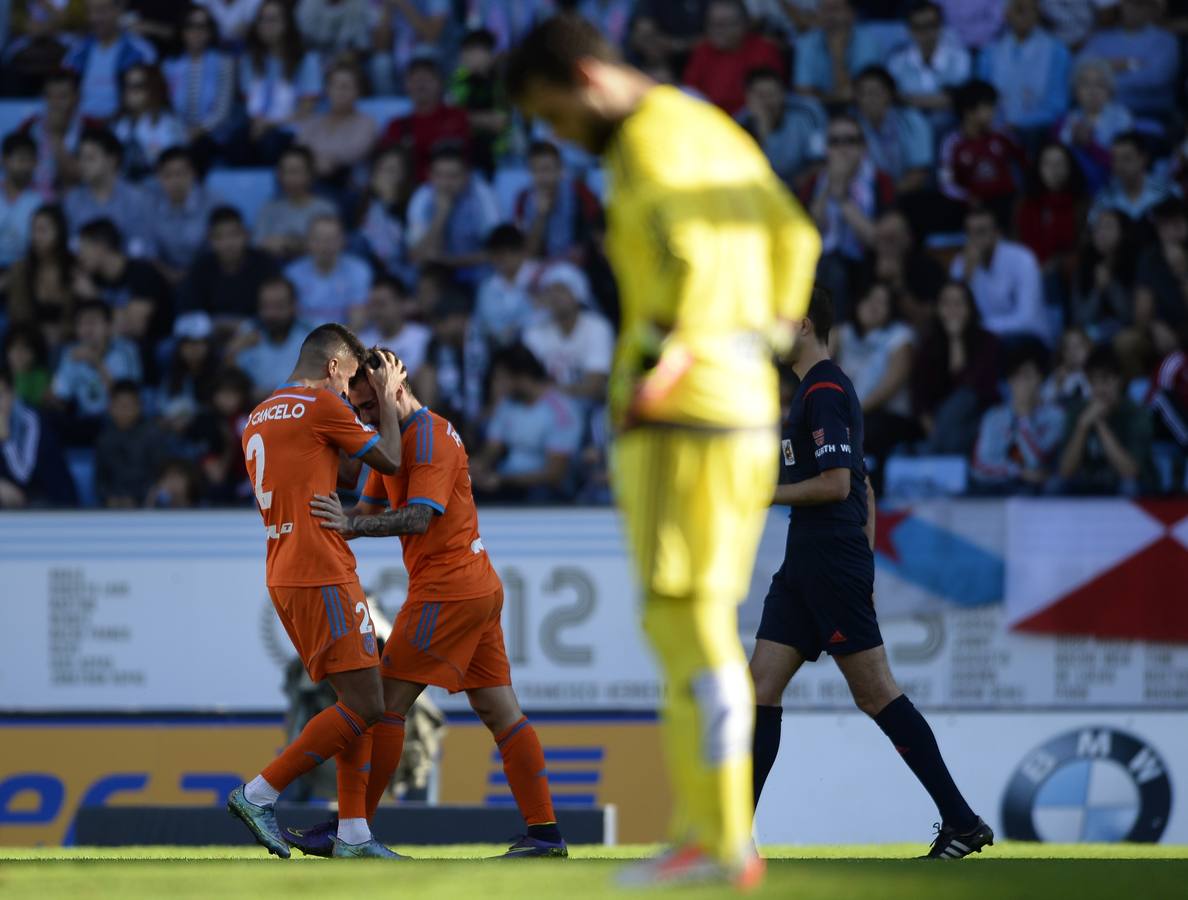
795	248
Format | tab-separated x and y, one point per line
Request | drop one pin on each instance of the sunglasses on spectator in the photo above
197	23
844	140
929	25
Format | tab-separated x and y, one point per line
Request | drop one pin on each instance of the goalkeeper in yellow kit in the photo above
714	259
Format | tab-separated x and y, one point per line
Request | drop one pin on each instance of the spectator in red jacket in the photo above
431	121
1050	217
979	164
720	62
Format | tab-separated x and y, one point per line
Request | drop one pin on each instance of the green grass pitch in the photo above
1051	872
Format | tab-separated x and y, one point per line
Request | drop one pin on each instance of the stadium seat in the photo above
14	112
384	109
508	184
245	189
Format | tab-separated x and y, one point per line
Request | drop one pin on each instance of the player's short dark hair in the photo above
550	52
480	37
1028	352
820	312
173	154
92	306
301	152
1103	360
519	360
1134	139
16	141
973	94
763	73
879	74
361	376
327	342
105	140
223	215
125	386
506	237
544	148
448	150
104	232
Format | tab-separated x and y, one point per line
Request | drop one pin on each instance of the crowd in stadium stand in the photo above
188	188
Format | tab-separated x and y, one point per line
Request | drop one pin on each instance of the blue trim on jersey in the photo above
371	443
425	501
289	384
374	501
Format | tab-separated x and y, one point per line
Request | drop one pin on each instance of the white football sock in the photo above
353	831
260	792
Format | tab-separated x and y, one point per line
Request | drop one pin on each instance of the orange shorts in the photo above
330	627
454	644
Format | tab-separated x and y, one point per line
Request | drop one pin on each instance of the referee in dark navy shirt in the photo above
822	598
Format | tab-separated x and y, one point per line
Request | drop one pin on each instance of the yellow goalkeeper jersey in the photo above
710	251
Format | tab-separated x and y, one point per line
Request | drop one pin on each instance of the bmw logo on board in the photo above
1095	784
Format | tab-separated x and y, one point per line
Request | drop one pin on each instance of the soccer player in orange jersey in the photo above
292	444
448	632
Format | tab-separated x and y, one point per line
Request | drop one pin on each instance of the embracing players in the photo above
292	445
448	632
822	598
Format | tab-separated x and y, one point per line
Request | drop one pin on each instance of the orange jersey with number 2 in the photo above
291	444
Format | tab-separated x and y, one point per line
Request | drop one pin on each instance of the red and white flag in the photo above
1105	568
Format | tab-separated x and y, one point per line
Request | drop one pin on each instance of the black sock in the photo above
548	832
767	744
914	740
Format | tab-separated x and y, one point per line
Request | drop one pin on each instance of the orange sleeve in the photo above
375	492
434	469
336	424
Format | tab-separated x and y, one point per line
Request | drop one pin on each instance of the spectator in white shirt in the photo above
387	325
575	344
330	283
1005	280
533	436
876	349
505	308
18	200
933	63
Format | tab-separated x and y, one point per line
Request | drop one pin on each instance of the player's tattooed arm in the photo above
412	519
406	520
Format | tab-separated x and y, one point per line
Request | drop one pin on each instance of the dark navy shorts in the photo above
822	598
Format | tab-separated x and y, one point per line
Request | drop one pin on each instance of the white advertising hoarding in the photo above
168	611
1057	777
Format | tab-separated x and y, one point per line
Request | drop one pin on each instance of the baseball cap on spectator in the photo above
193	326
569	276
